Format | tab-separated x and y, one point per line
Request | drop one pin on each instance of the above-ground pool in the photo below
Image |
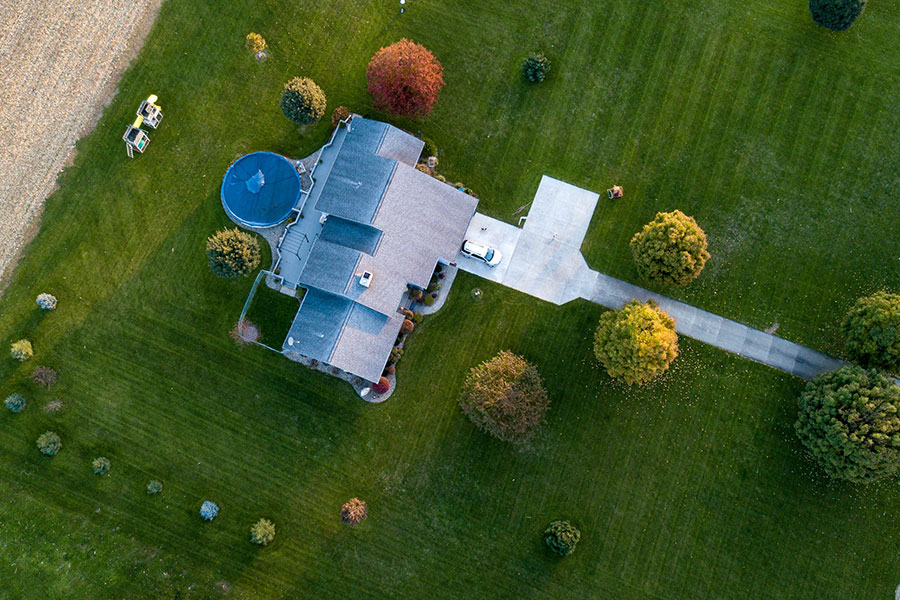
260	189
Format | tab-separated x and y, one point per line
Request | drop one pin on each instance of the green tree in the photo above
21	350
637	342
505	398
872	331
837	15
49	443
232	253
670	249
302	101
848	422
562	537
262	532
536	67
100	466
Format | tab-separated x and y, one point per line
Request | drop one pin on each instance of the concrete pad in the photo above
782	355
756	345
562	209
731	336
496	234
549	269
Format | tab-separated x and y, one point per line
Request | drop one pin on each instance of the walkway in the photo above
543	259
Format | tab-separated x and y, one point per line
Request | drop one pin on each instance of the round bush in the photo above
262	532
848	421
44	376
256	42
354	511
16	402
341	113
405	79
208	510
417	318
837	15
154	487
430	149
100	465
383	385
232	253
636	343
407	327
536	67
302	101
49	443
562	537
670	249
872	331
415	293
504	397
46	301
429	300
21	350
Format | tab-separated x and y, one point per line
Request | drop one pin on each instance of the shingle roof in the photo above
401	146
318	325
365	343
329	267
360	237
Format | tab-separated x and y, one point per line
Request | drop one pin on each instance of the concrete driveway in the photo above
496	234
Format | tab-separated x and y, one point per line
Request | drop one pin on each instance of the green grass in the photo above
776	135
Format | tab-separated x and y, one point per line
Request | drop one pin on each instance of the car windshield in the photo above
489	254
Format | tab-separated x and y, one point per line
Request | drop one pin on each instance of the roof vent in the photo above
365	279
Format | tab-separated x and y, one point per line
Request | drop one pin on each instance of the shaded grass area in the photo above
774	134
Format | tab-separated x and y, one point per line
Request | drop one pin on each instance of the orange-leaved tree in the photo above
405	78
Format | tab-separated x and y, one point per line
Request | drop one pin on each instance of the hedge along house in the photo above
366	226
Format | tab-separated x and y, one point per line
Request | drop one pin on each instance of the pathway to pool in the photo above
543	259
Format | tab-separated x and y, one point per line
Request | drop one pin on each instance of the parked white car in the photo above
482	252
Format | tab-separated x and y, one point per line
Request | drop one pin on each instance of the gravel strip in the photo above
59	64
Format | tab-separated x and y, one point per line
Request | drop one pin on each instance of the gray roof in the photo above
329	267
360	237
365	343
401	146
356	183
318	325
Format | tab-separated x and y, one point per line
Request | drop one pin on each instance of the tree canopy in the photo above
849	424
872	331
232	253
670	249
636	343
505	398
405	78
837	15
302	101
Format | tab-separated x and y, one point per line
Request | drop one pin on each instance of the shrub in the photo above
256	42
244	333
100	465
21	350
390	370
354	511
441	178
636	343
302	101
423	168
396	353
208	510
44	376
341	113
562	537
46	301
154	487
837	15
262	532
872	331
16	402
430	148
49	443
415	293
848	421
407	313
405	79
504	397
536	67
383	385
417	318
429	300
407	327
232	253
670	249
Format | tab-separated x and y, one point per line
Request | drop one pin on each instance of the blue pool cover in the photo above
260	189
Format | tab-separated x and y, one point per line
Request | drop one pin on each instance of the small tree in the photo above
100	465
354	511
44	376
46	301
244	333
504	397
49	443
154	487
536	67
562	537
256	43
16	403
872	331
232	253
407	327
209	510
21	350
848	421
837	15
341	113
262	532
302	101
636	343
405	79
670	249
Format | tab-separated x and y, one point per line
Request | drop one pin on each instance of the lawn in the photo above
776	135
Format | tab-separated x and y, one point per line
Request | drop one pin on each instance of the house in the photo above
369	226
